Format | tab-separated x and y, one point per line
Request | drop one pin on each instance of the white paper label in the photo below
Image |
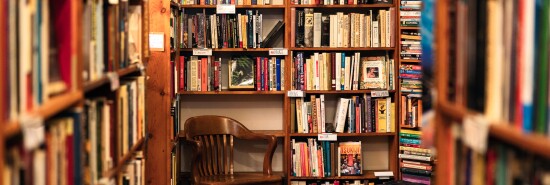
33	131
327	137
278	52
475	132
156	41
379	94
202	52
115	82
295	93
383	174
225	9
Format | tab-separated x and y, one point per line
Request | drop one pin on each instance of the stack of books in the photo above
416	162
410	13
411	78
410	45
335	182
314	158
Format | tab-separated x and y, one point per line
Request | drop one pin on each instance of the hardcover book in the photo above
350	158
373	73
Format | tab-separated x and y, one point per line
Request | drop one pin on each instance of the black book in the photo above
476	57
271	35
325	32
300	16
194	34
219	31
249	29
414	171
208	33
383	1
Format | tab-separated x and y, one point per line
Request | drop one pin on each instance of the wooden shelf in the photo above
344	49
370	134
367	174
410	61
174	4
50	108
344	6
236	6
409	28
342	91
232	92
504	131
276	133
105	79
125	159
230	49
409	127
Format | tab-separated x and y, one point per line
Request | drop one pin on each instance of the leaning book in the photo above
350	158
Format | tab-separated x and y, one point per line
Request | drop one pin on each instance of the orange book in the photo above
204	74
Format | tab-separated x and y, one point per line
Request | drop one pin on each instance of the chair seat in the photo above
241	178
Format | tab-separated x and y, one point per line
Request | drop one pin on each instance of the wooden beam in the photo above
158	98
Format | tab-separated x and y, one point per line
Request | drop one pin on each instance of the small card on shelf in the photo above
375	94
202	52
278	52
295	94
225	9
327	137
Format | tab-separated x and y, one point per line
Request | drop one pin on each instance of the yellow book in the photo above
411	132
381	109
392	118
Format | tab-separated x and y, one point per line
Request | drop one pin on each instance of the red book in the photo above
182	73
350	1
333	71
69	143
204	74
319	2
266	74
62	28
217	69
258	77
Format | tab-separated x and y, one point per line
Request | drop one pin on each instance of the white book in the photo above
317	29
356	71
362	30
347	73
409	13
299	112
282	74
389	29
106	133
352	30
322	99
375	34
338	64
333	40
259	30
346	30
340	29
253	31
368	32
382	27
340	116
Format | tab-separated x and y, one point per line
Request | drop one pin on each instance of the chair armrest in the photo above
197	154
271	145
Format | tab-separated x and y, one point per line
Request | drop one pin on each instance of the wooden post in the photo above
158	98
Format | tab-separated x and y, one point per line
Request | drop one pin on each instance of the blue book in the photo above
343	71
278	73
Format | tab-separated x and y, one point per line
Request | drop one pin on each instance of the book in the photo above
373	73
350	158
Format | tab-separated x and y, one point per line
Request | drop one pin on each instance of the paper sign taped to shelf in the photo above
383	174
114	79
33	131
202	52
278	52
327	137
156	41
375	94
295	93
225	9
475	132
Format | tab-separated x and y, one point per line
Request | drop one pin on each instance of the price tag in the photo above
278	52
295	93
202	52
375	94
327	137
475	132
414	95
156	41
115	81
225	9
33	131
383	174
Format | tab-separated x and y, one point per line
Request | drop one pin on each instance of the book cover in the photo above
350	158
300	18
308	27
373	73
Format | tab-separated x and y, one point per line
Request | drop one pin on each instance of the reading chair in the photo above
212	162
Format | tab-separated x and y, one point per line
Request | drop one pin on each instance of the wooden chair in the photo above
212	163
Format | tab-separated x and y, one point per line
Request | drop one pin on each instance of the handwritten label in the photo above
475	132
278	52
156	41
383	174
114	79
202	52
295	93
225	9
379	94
33	131
327	137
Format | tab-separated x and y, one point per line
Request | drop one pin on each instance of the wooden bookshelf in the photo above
236	6
232	92
276	133
50	108
111	173
122	73
369	134
367	174
230	49
343	49
343	91
361	6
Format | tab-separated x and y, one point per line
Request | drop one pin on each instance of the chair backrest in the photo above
215	134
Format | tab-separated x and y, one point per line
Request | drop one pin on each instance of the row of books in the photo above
352	115
411	110
314	158
233	2
245	73
313	29
336	71
410	45
410	13
340	2
410	77
416	162
224	30
335	182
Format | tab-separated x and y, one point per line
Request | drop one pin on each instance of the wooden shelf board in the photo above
276	133
50	108
231	49
370	134
344	6
105	79
409	127
236	6
503	131
232	92
410	61
367	174
342	92
125	159
344	49
409	28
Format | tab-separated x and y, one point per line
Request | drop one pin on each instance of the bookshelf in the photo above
61	90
